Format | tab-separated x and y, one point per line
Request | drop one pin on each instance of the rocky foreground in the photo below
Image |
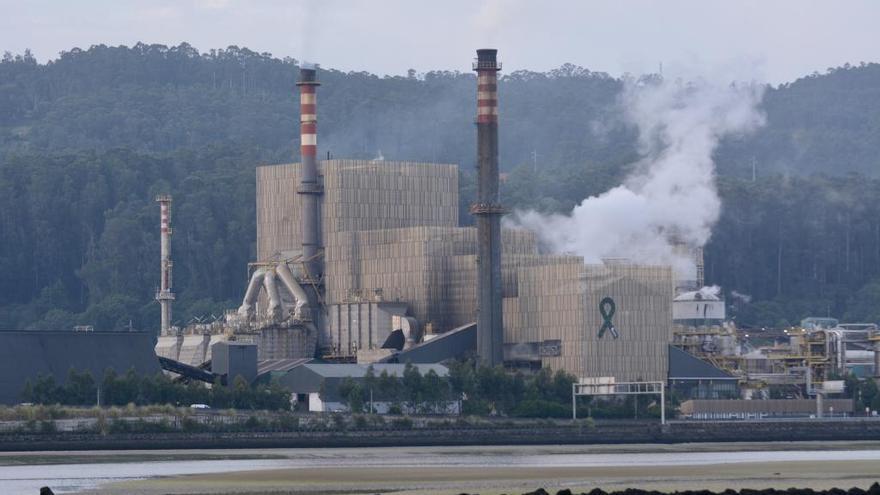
872	490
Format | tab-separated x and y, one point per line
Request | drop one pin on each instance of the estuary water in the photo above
172	471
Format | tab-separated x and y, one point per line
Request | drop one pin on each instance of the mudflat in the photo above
445	480
513	471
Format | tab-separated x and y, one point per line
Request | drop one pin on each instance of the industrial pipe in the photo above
295	289
409	326
836	346
250	296
876	340
272	292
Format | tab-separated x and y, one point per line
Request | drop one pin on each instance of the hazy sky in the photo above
772	40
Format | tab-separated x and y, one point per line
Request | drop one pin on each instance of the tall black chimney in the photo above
488	212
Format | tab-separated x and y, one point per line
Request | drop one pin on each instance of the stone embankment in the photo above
346	432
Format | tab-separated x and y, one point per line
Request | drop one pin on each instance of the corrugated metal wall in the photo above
362	325
358	195
561	301
433	269
768	406
392	227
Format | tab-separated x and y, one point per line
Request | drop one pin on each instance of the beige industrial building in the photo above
365	261
395	256
355	257
560	300
768	408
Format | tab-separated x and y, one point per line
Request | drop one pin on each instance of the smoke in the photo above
490	16
739	296
709	292
670	196
309	19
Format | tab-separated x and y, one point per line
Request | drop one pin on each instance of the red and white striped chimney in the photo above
308	113
309	187
164	295
487	87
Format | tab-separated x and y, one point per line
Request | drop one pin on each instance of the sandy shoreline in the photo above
424	480
514	480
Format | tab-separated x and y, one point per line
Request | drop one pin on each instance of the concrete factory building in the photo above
365	261
393	248
395	257
352	251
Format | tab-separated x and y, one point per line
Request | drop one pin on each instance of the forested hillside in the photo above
88	139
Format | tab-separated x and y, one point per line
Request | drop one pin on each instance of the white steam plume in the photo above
490	16
739	296
309	20
671	191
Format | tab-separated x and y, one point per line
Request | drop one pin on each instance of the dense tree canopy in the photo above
82	389
88	139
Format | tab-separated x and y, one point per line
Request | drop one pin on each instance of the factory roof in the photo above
685	366
327	370
704	294
280	365
25	355
455	343
325	378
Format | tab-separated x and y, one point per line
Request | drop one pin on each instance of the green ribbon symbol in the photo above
607	308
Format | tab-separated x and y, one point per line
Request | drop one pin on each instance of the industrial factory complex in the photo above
354	255
364	262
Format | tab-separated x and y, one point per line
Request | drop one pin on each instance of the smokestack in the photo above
488	211
309	187
164	294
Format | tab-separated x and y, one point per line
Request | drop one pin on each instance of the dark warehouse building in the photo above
25	355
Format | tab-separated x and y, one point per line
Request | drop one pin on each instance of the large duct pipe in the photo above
488	211
294	288
164	295
271	287
309	187
876	339
250	296
410	327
